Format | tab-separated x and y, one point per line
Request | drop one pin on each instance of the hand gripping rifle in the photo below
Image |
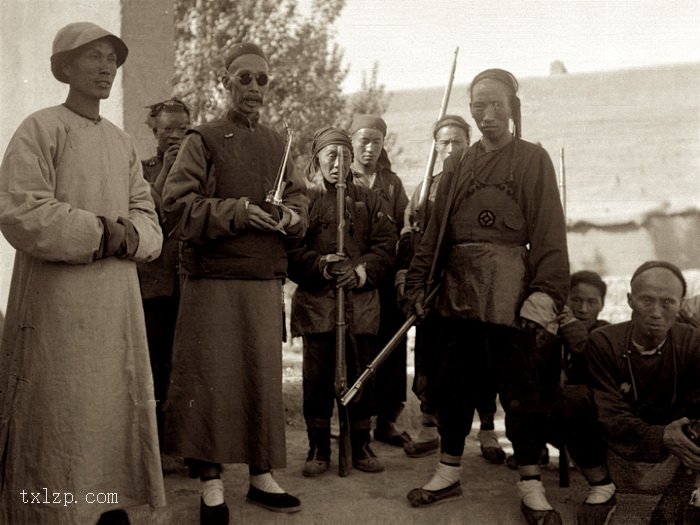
341	372
429	285
421	212
275	195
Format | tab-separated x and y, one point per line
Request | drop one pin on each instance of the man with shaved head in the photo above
646	385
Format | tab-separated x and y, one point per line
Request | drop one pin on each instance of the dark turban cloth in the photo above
368	121
327	137
452	120
243	48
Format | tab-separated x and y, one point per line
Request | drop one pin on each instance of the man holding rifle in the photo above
225	397
320	271
451	137
498	230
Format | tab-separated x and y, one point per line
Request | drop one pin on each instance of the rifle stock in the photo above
341	382
384	353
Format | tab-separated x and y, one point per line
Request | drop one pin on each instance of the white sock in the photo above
444	476
598	494
266	483
695	497
533	496
488	439
213	492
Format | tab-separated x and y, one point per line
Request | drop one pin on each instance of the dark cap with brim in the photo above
71	38
243	48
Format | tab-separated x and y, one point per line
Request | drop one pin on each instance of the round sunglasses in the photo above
246	78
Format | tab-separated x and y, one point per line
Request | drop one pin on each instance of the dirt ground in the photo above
490	496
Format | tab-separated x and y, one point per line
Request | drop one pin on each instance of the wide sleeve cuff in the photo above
540	308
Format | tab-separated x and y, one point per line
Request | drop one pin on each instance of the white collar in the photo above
651	351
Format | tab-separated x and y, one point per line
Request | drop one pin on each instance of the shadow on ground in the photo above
490	496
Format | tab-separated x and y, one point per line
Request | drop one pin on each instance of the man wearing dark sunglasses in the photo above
225	396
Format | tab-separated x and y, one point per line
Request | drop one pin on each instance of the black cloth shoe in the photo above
387	432
421	497
540	517
494	455
596	514
419	449
114	517
216	515
275	502
366	460
363	458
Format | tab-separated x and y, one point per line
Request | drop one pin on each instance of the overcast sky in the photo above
413	40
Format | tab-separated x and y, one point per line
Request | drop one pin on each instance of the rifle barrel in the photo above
340	365
562	180
425	188
277	192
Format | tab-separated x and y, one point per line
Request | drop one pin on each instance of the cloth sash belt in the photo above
484	281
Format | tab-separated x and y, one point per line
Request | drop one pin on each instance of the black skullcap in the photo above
368	121
661	264
243	48
508	79
452	120
501	75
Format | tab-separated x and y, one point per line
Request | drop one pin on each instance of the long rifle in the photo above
563	449
341	371
429	285
562	180
421	214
